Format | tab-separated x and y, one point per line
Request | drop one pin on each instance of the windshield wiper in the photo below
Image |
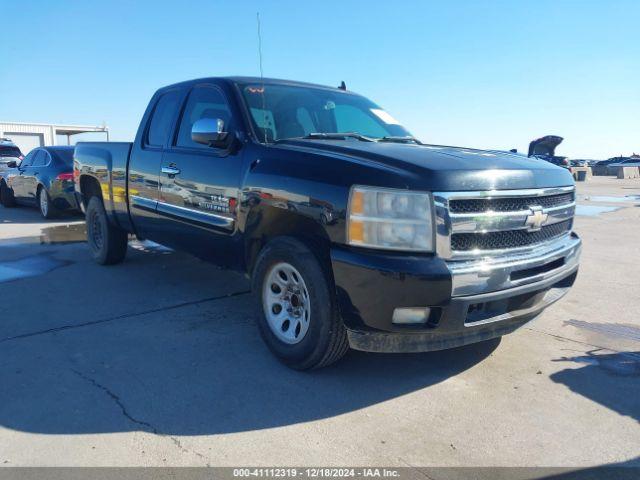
406	139
337	136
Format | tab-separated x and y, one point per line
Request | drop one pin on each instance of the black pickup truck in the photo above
354	233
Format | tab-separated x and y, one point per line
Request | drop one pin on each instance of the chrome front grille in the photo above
481	205
476	224
507	239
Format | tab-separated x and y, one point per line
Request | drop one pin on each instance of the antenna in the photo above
264	106
259	44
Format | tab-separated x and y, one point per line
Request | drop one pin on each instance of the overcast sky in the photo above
476	74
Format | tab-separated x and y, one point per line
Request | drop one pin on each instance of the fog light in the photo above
404	316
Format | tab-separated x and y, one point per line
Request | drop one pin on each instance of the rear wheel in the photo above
298	316
6	196
47	208
108	243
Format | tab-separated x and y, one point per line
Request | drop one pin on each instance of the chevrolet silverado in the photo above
353	232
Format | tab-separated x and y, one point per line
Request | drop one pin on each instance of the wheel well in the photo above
273	224
4	186
89	187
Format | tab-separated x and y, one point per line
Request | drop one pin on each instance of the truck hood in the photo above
545	145
444	168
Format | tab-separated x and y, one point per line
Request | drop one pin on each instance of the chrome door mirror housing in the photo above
210	132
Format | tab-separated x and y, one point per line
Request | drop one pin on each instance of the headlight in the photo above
390	219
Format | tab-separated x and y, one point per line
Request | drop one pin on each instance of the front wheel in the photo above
108	243
298	316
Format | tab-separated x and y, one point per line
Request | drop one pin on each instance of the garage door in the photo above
26	141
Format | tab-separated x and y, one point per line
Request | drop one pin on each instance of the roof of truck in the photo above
259	80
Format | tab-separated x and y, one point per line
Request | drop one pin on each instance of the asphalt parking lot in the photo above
158	362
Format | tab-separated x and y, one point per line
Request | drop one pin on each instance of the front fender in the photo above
303	189
265	219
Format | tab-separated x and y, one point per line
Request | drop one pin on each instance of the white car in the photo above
5	161
9	152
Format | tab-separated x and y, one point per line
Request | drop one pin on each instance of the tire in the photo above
299	322
46	206
108	244
6	196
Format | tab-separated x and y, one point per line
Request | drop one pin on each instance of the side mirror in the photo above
210	132
12	164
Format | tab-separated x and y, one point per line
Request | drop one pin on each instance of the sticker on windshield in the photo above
384	116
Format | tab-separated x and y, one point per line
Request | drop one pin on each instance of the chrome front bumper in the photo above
471	319
547	261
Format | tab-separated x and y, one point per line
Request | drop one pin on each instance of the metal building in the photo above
31	135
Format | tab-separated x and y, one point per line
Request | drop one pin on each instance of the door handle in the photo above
171	170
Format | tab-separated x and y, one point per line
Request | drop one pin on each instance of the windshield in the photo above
283	111
6	151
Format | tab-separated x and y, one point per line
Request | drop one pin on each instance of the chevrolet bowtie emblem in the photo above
536	219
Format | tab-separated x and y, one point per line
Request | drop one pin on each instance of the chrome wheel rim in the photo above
286	303
44	204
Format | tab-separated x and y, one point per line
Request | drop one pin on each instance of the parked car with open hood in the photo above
43	179
354	233
544	148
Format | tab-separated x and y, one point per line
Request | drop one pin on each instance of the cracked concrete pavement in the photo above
158	362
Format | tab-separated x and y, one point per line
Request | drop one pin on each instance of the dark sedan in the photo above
43	179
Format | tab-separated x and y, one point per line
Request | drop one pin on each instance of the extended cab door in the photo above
143	173
199	184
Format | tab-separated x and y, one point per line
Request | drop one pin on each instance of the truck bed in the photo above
107	161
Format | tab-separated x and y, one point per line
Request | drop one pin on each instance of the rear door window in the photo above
40	159
162	118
